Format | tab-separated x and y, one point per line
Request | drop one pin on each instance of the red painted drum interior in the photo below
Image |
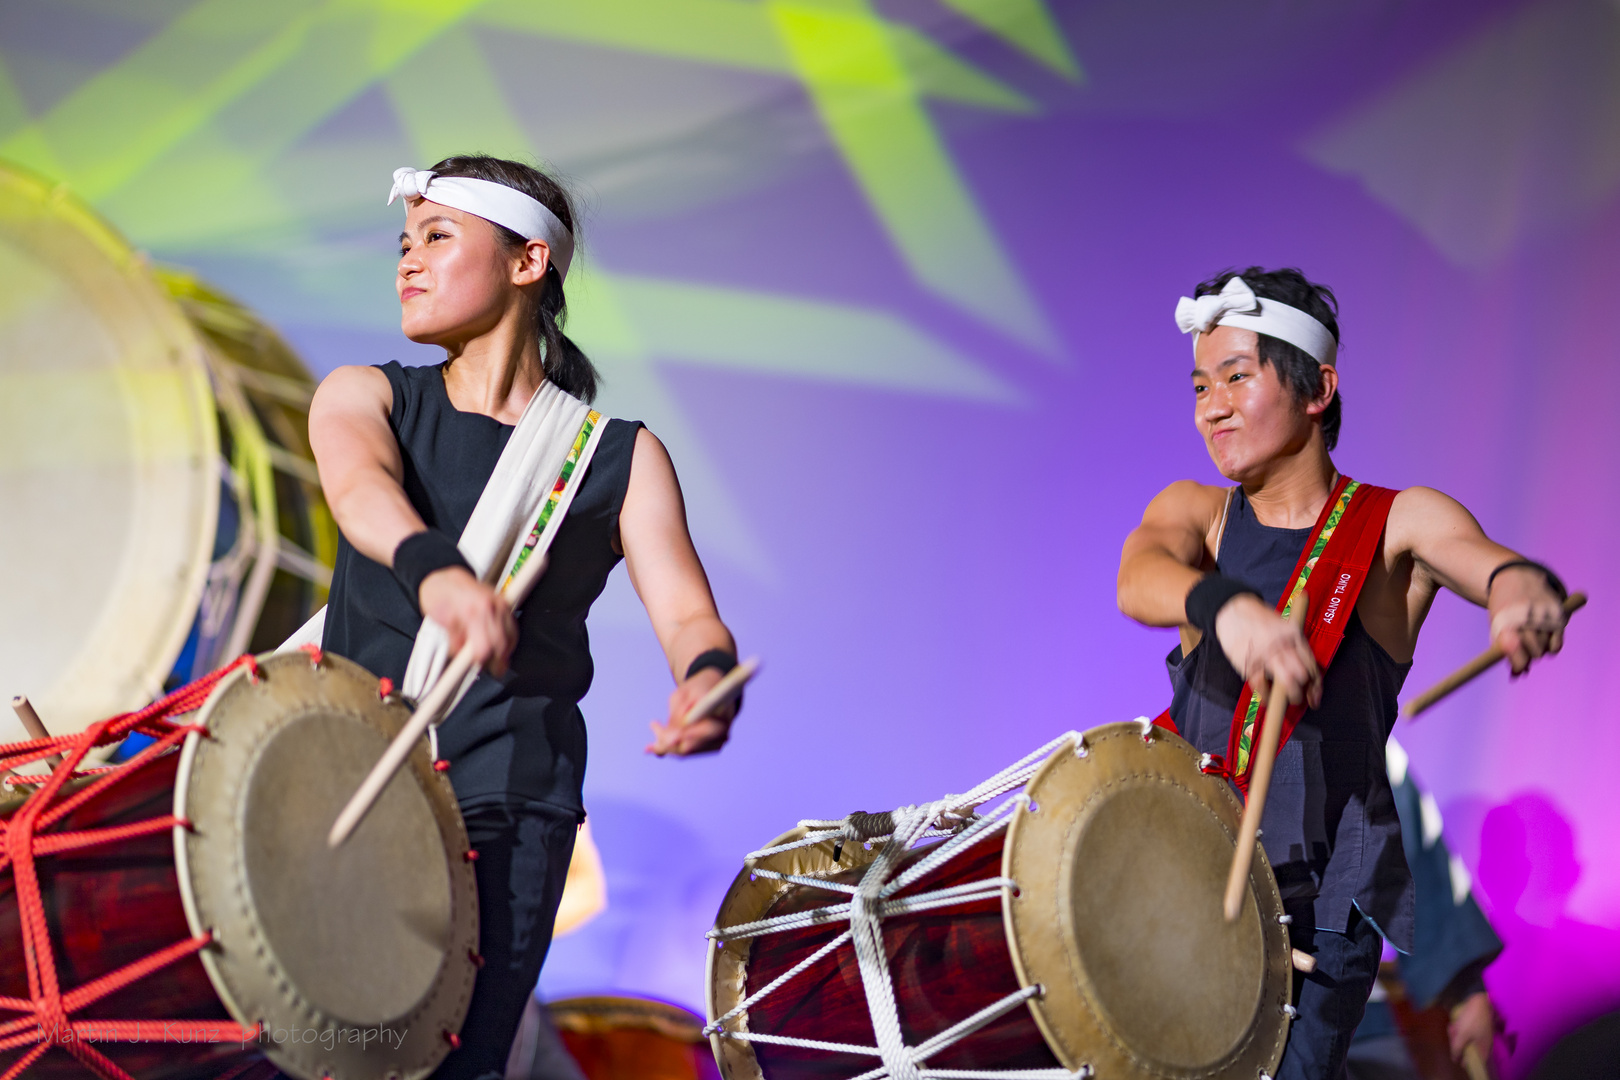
946	964
109	906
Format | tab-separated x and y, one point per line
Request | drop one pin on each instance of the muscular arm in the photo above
1164	556
667	575
1449	548
362	477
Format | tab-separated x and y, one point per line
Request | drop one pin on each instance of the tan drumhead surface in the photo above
1121	862
109	476
357	961
372	956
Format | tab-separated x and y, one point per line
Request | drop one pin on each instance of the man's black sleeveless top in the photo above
1330	828
522	736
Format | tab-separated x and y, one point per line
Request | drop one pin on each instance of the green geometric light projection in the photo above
1026	25
868	77
203	141
629	324
215	98
860	86
475	117
773	335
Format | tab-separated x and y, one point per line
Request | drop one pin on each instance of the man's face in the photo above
1246	414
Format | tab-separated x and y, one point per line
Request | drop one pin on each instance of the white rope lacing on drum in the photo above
954	817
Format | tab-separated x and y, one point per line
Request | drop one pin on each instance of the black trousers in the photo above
1331	999
523	852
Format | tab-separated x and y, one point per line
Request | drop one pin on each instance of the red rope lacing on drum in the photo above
46	1018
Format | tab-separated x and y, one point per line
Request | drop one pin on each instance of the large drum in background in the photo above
356	964
1098	911
162	510
622	1038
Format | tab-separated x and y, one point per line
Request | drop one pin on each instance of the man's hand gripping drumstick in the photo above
1478	666
1285	667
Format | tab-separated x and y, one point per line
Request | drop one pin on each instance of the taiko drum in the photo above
1117	862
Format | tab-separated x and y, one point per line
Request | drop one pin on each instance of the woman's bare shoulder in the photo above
353	387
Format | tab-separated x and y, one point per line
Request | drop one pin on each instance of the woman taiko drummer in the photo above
404	456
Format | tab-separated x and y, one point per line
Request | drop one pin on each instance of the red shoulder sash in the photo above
1331	570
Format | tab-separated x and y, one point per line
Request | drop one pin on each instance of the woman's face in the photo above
455	280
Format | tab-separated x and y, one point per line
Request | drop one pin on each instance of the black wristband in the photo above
1553	581
718	659
1207	598
419	555
722	662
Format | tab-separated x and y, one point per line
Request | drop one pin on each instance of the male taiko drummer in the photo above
1220	563
405	454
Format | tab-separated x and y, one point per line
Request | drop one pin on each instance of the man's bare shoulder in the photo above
1187	501
1424	513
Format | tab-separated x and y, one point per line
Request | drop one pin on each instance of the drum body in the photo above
625	1038
356	963
1113	869
110	907
163	513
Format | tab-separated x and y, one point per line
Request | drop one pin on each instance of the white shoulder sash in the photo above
516	519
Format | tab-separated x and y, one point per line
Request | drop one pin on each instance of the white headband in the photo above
1236	305
493	202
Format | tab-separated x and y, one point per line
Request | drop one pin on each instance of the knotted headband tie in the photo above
1236	305
507	207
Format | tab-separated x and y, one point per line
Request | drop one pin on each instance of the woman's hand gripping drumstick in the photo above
686	733
428	712
1473	669
436	702
1265	756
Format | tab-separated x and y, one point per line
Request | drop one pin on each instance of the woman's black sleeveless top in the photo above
520	737
1330	828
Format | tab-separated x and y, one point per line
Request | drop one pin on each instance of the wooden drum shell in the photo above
108	907
924	949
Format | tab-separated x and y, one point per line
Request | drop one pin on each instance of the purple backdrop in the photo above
929	573
941	586
938	590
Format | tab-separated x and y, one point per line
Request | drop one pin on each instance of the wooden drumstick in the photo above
33	724
730	685
1473	669
1474	1063
430	710
434	704
1265	756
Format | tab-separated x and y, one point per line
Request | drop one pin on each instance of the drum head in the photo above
109	470
358	961
1121	860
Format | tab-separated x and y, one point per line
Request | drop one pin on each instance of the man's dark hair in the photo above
1299	371
565	364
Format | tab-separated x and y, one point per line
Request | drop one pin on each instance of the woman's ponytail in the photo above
565	363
